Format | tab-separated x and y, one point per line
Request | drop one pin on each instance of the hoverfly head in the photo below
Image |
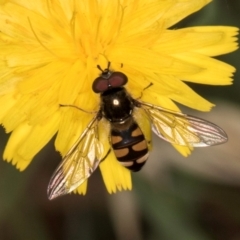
108	80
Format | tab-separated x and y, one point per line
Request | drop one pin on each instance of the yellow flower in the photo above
49	54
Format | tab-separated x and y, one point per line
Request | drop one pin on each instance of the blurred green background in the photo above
173	198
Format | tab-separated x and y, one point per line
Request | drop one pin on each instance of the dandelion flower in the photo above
50	50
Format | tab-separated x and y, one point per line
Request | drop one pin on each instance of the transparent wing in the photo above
79	163
183	129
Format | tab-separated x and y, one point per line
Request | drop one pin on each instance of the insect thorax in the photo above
116	105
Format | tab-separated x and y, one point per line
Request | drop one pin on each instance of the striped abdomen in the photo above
130	146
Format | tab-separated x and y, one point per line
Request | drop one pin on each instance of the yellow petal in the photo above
115	176
138	20
18	136
213	71
2	2
17	114
43	78
184	150
148	60
73	82
211	40
82	189
185	95
180	9
72	123
37	138
6	102
227	42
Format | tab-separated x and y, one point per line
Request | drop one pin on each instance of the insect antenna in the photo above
106	70
98	66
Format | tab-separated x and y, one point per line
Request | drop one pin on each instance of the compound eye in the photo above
100	85
117	79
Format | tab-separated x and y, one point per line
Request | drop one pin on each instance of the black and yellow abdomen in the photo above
127	140
129	146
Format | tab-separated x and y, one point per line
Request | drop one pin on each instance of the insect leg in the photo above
69	105
109	150
148	86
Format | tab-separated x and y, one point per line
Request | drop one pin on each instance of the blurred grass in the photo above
193	209
183	207
166	212
19	216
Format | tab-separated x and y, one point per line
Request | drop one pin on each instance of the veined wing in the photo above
79	163
183	129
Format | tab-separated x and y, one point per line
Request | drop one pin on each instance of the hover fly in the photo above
126	139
